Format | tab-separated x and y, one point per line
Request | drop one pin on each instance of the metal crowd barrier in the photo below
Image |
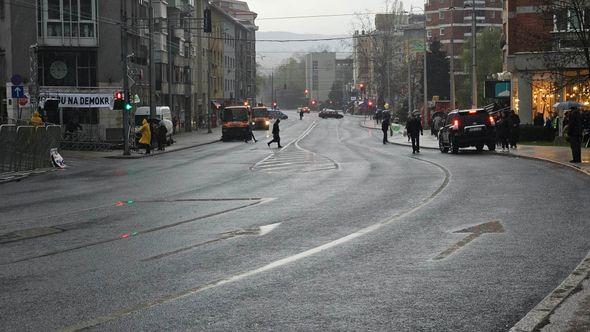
25	148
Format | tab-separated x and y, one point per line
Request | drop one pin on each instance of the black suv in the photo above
467	128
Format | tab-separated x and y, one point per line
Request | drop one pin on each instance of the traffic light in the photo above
274	104
306	91
370	103
362	87
119	103
313	102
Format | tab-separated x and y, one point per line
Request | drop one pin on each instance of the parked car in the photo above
327	113
466	128
274	114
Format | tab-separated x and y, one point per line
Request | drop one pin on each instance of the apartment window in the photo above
68	18
429	34
493	14
442	31
428	17
67	69
561	20
441	15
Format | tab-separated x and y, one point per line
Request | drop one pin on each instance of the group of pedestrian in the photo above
155	133
508	130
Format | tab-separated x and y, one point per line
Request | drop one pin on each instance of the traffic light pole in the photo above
125	72
152	64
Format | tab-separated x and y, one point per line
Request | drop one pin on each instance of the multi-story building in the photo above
543	53
450	20
320	74
65	51
345	75
244	67
74	53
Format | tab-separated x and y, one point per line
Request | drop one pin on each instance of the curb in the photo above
399	144
538	317
162	152
23	175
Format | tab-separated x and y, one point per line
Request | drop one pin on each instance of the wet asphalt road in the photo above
355	227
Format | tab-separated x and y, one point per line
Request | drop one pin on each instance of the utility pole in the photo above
473	60
152	69
200	71
409	80
426	109
125	72
452	63
272	88
171	65
210	81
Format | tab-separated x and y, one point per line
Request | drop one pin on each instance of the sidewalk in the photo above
567	308
182	141
555	154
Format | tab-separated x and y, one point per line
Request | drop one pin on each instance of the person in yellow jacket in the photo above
146	136
36	120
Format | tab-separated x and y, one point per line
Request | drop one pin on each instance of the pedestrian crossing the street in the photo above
294	158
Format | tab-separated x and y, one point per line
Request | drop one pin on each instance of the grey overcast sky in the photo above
332	25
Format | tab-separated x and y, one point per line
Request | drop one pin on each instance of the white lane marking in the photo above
279	263
268	228
305	133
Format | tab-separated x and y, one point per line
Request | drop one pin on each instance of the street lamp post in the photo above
473	59
452	59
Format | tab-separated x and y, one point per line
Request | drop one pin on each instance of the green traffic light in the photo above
128	107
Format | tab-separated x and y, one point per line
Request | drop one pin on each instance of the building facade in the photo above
449	21
74	53
320	74
543	58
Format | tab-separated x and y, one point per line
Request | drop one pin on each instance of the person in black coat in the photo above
162	133
504	130
414	128
385	128
275	134
574	133
515	129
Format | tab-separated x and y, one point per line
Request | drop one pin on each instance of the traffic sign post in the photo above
18	91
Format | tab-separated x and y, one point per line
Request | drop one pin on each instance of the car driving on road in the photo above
330	114
274	114
467	128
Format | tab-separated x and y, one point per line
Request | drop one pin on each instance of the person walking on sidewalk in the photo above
146	136
276	138
515	129
301	114
504	129
385	127
414	128
574	133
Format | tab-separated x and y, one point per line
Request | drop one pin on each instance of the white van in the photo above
162	113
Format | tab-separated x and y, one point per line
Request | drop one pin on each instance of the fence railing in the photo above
24	148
